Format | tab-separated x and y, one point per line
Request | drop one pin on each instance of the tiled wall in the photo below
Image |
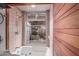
15	28
66	29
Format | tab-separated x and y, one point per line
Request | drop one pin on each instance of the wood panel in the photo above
66	29
23	29
7	29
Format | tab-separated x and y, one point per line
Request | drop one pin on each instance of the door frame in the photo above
7	28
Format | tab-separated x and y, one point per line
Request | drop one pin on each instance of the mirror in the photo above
1	18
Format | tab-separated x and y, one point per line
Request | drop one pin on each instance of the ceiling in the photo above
2	5
38	7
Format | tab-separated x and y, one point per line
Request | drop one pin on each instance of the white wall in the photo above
2	33
15	40
51	30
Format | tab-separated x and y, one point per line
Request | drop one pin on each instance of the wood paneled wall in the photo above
66	29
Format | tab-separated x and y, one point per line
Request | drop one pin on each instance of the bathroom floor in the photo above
36	43
33	51
34	48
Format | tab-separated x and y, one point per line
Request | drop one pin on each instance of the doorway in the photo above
36	31
37	28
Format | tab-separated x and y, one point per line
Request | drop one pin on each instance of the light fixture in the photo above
3	9
33	6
